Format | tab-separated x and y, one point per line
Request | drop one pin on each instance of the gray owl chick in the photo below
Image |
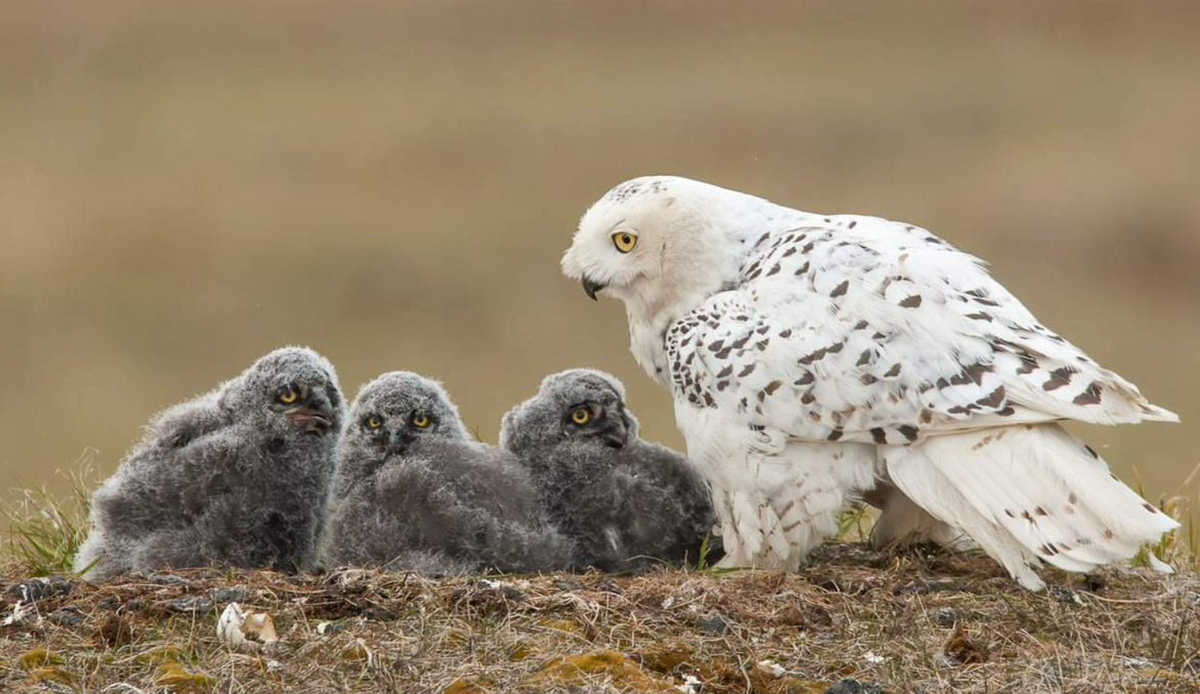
237	477
623	501
413	492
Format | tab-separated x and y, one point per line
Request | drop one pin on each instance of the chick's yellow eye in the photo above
581	415
289	395
624	241
421	421
373	422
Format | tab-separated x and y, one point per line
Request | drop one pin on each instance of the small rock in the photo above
164	579
716	625
946	617
36	589
849	686
66	617
191	604
1065	595
235	594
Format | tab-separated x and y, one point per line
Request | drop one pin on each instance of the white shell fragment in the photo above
237	629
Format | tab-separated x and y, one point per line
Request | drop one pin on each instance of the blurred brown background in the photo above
185	186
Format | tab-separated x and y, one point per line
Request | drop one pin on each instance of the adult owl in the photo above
815	357
236	477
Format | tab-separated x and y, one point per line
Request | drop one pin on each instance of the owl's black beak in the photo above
591	286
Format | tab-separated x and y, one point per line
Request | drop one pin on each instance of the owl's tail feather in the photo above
1028	494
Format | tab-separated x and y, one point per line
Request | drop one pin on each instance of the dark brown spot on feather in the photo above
772	387
912	301
747	371
1091	396
786	333
1059	377
981	315
995	399
841	289
892	372
868	379
879	435
864	358
834	435
1091	451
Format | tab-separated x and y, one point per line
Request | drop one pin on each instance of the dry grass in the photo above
912	622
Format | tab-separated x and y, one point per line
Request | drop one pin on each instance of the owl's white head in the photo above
663	244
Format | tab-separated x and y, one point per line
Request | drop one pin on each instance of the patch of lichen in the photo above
608	667
467	687
178	679
37	658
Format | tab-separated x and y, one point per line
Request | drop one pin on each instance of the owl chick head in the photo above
399	408
659	240
291	391
578	404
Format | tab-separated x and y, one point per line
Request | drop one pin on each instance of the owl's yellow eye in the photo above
289	395
624	241
374	422
581	415
421	420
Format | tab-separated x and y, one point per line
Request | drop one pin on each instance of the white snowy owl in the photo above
813	358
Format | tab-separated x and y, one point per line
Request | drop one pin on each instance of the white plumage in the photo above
816	357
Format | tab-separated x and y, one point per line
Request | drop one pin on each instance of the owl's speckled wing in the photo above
860	329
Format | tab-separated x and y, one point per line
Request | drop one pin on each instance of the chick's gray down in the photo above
236	477
413	491
625	503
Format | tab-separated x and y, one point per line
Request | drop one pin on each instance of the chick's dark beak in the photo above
313	421
399	441
616	434
591	286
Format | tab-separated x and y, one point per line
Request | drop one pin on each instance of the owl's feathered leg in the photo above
902	522
1028	494
776	499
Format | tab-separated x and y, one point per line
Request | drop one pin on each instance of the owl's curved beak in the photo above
591	286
